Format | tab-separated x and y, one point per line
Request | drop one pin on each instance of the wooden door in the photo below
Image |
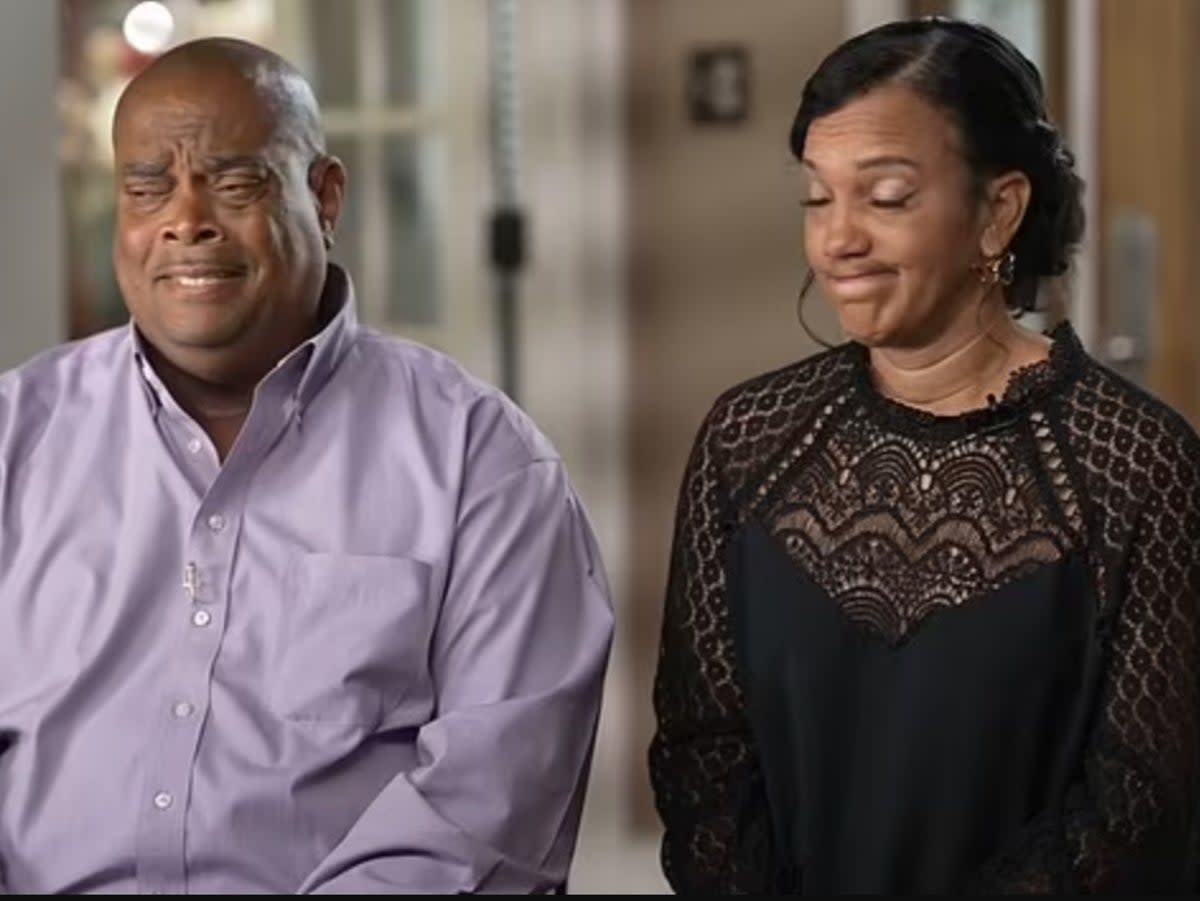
1149	228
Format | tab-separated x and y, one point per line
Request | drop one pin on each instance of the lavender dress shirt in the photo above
365	654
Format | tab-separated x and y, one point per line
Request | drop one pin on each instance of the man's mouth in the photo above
201	281
199	276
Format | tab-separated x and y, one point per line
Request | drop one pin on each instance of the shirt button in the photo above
216	522
201	618
195	445
182	709
162	800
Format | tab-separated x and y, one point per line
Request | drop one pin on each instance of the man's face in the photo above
219	246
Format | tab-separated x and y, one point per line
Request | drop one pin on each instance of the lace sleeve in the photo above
1131	823
703	765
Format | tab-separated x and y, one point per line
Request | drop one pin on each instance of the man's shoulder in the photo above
81	366
422	368
430	383
66	379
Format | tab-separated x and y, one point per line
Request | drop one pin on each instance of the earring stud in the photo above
1000	269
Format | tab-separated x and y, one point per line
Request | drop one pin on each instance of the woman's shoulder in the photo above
772	403
1111	408
1127	436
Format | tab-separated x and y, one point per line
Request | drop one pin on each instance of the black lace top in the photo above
904	652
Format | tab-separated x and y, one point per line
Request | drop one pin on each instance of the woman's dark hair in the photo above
995	96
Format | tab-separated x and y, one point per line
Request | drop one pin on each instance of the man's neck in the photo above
204	397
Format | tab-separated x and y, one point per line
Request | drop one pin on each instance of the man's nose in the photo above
190	218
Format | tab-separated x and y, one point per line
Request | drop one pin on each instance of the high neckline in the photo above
1027	387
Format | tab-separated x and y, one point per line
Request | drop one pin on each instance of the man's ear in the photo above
327	181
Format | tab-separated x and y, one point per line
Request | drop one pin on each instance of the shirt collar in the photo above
321	354
307	367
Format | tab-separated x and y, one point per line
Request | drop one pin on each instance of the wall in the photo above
1149	138
574	347
715	248
32	300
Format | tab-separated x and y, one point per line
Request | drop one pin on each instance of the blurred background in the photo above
643	144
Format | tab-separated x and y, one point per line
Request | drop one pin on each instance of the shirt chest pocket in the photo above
355	638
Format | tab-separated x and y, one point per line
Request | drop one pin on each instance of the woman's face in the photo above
893	228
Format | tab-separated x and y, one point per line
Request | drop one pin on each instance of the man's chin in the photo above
203	340
203	329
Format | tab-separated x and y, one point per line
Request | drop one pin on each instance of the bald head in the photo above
285	99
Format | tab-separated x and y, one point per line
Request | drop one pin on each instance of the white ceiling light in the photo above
148	27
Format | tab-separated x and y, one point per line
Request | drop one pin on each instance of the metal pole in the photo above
507	226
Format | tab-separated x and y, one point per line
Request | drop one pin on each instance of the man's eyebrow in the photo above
144	170
218	164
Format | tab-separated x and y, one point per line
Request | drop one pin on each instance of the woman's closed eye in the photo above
888	202
891	194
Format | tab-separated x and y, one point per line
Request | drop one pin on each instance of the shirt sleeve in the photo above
1131	823
518	659
704	766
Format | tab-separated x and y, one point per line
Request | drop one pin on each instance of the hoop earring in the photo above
809	278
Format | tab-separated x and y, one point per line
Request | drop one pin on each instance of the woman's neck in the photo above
965	368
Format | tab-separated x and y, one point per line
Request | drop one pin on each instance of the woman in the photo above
932	618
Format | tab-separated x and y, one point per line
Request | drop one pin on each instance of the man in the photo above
285	605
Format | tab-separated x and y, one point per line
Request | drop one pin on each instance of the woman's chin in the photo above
869	333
